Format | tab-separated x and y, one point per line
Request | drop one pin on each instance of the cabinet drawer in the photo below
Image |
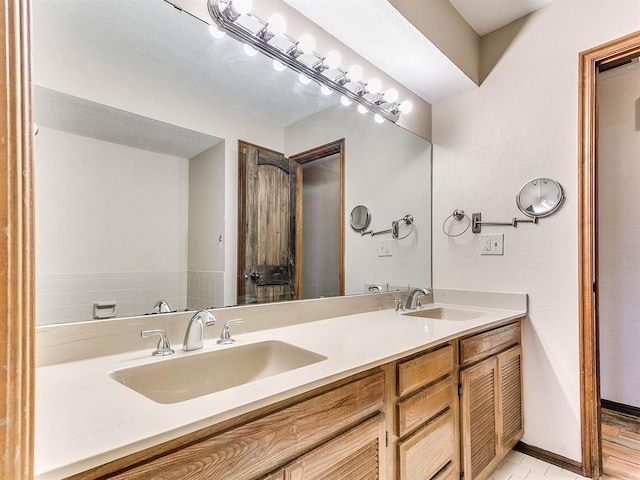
420	407
485	344
447	473
422	370
424	453
259	446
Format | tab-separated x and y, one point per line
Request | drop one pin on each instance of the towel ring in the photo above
458	215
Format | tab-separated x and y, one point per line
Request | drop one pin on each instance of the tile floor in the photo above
518	466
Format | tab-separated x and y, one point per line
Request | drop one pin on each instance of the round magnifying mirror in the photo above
540	197
360	218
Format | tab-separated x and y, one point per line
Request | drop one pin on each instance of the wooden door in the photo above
268	226
479	419
354	455
511	424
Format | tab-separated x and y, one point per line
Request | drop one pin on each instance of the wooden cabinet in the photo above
401	421
491	416
257	447
353	455
426	415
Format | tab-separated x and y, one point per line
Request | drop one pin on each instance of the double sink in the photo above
183	378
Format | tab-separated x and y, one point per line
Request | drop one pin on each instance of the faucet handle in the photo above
399	306
225	335
164	347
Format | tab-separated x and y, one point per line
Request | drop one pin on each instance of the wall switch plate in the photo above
492	244
385	248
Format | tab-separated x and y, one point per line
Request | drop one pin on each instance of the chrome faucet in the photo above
164	347
422	292
193	339
225	335
162	306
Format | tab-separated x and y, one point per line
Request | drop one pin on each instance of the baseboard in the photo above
549	457
620	407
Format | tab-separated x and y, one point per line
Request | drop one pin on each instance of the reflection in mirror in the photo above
136	164
540	197
360	218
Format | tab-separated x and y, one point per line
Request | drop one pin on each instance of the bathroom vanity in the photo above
419	394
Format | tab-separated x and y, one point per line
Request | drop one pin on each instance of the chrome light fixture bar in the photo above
253	31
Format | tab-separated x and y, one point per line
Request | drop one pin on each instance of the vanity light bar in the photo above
253	31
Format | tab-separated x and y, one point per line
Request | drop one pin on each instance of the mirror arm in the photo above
476	222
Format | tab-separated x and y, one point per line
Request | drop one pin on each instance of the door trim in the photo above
589	62
17	328
332	148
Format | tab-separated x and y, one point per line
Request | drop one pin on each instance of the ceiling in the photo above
485	16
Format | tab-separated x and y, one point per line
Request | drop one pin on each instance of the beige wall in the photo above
519	124
619	230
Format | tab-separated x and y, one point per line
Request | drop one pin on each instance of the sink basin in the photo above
447	313
183	378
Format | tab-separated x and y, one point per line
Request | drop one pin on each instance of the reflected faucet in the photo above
423	292
193	339
162	306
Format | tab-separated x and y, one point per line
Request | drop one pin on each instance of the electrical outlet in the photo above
492	244
385	248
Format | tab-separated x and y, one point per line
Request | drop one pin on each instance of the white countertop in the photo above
85	419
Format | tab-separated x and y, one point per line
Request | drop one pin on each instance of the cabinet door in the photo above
354	455
479	416
511	423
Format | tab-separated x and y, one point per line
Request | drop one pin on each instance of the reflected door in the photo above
268	213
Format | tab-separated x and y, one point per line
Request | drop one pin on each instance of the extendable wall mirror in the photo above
540	197
360	218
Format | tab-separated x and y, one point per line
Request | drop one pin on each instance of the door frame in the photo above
17	327
589	62
331	148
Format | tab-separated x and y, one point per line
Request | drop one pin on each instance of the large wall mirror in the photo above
140	114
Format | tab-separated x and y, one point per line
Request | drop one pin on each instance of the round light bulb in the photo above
391	95
362	109
216	32
333	59
242	6
307	43
279	66
325	90
277	24
405	107
346	101
354	73
304	79
378	118
249	50
374	86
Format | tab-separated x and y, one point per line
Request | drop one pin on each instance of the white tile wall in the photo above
63	298
205	289
518	466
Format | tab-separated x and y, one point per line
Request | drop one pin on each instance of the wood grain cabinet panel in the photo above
277	475
511	427
479	419
260	446
423	405
447	473
354	455
425	452
483	345
424	369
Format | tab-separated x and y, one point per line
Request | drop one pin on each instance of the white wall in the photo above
618	233
321	228
206	229
520	124
123	211
72	71
388	169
